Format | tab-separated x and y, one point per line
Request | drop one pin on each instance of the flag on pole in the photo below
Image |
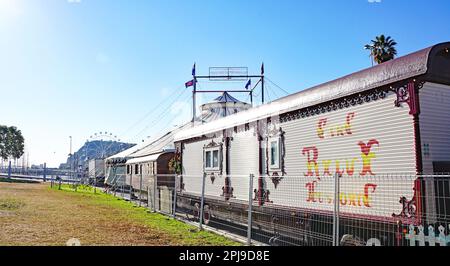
262	69
189	83
249	83
193	70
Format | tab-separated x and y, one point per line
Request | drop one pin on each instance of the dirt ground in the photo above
34	214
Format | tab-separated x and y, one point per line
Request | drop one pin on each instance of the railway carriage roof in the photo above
434	62
158	145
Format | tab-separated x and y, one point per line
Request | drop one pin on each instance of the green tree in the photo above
4	154
12	143
382	49
18	143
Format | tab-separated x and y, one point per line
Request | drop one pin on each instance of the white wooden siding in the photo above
434	124
435	133
244	160
390	126
193	169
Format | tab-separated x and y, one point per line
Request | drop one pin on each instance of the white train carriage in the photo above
390	120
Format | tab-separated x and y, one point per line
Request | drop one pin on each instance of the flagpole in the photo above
193	97
262	82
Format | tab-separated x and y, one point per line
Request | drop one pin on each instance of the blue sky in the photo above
76	67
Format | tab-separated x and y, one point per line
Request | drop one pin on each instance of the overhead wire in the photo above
287	93
269	91
149	113
160	116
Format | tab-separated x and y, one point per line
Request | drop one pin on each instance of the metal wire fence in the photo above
387	210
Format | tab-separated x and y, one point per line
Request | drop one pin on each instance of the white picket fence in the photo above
419	238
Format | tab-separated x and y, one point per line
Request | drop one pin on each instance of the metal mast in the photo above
226	74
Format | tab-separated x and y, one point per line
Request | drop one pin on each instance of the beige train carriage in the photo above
390	119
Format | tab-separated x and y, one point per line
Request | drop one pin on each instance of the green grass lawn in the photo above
182	233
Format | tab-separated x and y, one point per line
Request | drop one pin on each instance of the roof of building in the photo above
164	143
226	98
428	61
148	158
159	144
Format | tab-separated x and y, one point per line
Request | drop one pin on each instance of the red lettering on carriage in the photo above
361	199
314	168
367	156
312	154
336	130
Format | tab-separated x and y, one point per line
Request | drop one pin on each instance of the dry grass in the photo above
34	214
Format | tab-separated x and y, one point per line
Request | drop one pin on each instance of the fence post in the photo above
155	188
148	196
45	170
9	170
336	211
140	188
131	184
202	202
175	195
250	207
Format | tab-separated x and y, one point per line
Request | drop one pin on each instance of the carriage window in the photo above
128	169
208	159
274	154
263	158
151	168
136	169
212	158
215	158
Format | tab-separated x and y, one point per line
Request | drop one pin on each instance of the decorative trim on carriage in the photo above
212	144
342	103
227	192
409	209
263	193
406	93
209	163
229	138
274	131
276	179
275	165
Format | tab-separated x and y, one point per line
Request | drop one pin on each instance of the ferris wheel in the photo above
101	145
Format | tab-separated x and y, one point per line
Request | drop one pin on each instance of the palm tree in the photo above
382	49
